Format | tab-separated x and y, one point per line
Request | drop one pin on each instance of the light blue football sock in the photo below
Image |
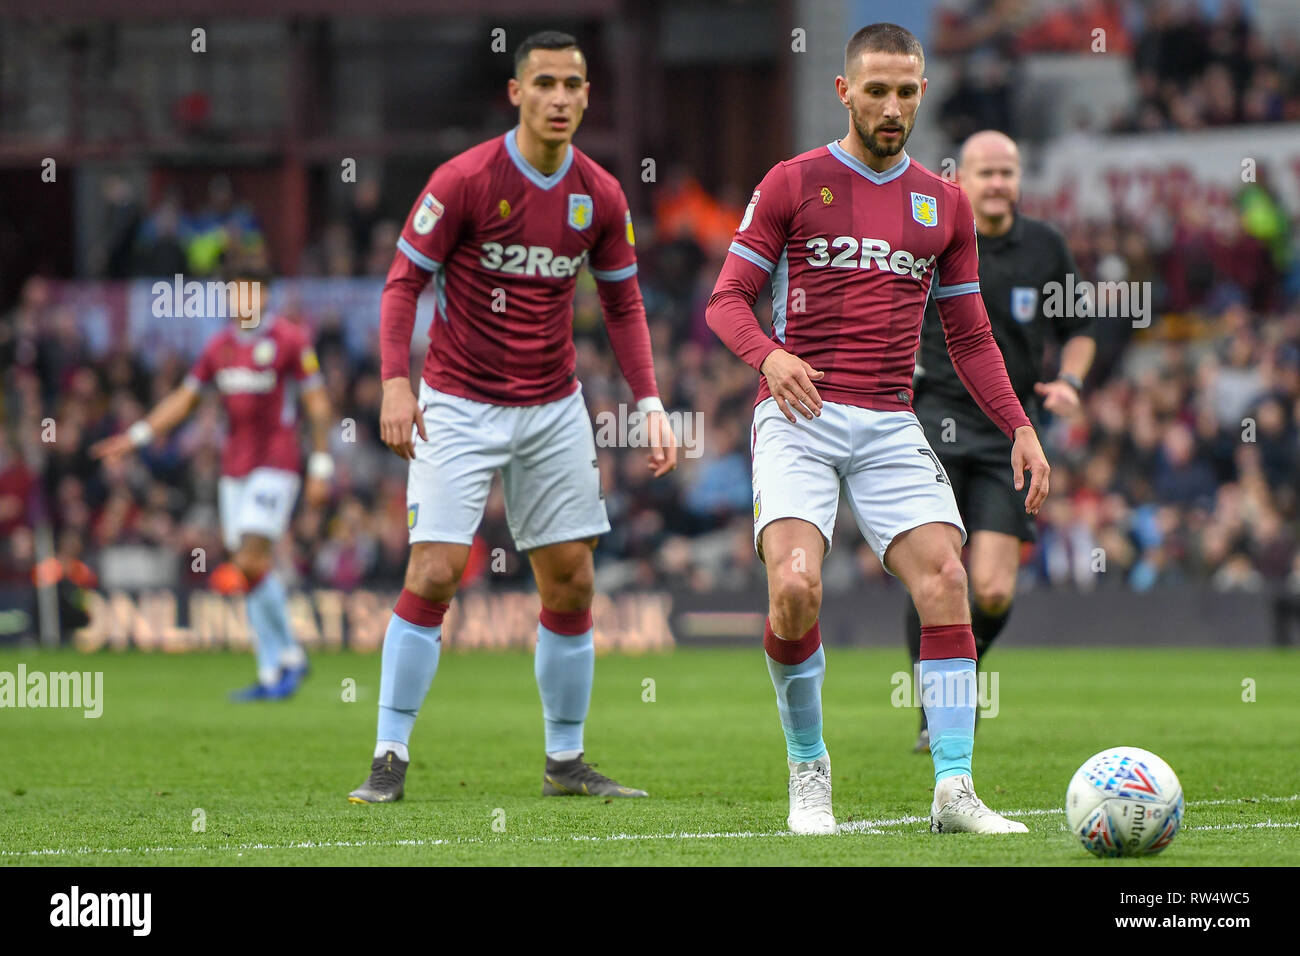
565	666
799	702
270	624
950	695
406	671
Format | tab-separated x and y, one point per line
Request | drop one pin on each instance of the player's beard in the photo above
874	145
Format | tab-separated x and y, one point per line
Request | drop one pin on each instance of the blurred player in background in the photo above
502	230
855	237
261	368
1018	258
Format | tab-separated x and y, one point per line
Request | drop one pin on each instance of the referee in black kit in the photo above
1018	258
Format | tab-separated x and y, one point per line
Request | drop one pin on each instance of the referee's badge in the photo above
1024	303
579	211
925	210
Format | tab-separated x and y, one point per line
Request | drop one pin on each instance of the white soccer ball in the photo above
1124	801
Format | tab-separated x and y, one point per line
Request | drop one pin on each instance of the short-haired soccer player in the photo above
502	231
854	237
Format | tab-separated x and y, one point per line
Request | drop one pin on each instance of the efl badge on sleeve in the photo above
925	210
758	504
1024	303
412	512
430	212
627	220
579	211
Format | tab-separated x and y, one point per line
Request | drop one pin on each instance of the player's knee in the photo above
569	588
253	558
796	596
947	583
432	573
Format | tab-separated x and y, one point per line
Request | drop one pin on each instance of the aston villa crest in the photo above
925	210
579	211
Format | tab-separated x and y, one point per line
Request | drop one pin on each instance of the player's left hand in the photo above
663	444
1027	454
316	491
1059	397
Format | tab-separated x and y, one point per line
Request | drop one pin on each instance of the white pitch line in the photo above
874	827
1264	825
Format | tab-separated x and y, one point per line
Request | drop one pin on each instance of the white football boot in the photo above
810	796
956	809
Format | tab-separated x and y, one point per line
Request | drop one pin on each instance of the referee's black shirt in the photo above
1015	271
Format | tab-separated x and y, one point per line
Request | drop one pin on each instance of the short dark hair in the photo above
545	40
883	38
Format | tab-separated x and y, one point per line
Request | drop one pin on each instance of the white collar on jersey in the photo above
858	166
529	170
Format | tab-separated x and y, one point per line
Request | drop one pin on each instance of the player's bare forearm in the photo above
162	418
316	404
172	410
320	465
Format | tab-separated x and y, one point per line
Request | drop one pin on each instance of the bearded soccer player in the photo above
1019	258
261	367
855	236
502	230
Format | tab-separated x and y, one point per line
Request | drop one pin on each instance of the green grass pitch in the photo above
269	781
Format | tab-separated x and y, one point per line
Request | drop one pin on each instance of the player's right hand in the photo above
112	447
790	380
398	412
1027	455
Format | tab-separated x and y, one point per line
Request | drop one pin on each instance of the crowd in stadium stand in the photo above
1183	465
1193	69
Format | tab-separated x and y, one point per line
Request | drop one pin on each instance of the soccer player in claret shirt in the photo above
854	237
260	366
502	230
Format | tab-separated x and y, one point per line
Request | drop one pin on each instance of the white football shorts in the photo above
260	502
880	460
546	455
